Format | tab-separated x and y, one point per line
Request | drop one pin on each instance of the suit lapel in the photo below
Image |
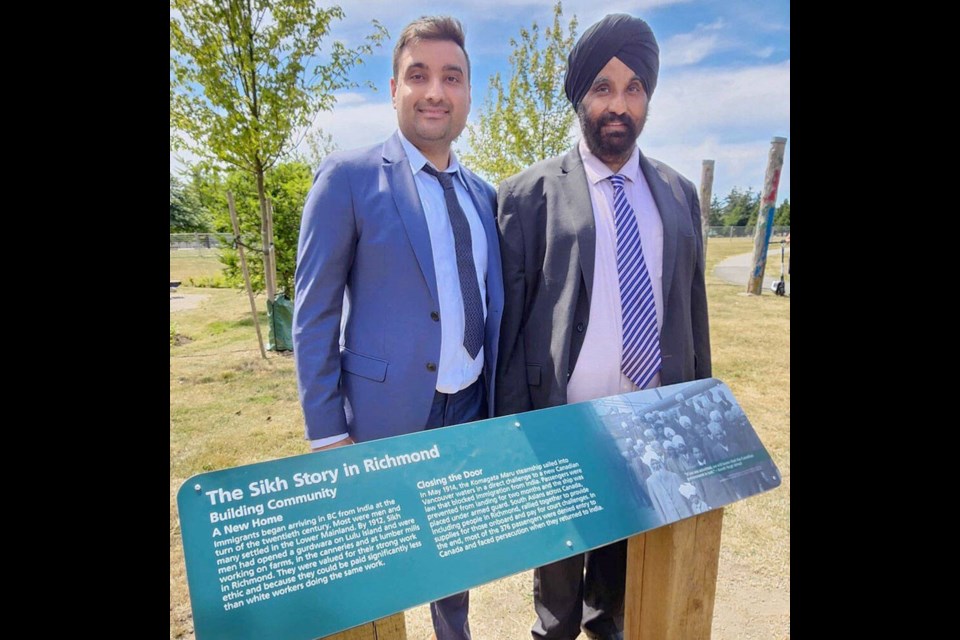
487	216
488	219
668	207
400	181
575	193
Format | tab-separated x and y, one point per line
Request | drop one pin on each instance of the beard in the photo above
613	145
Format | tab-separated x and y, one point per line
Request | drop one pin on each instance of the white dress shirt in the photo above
597	373
456	370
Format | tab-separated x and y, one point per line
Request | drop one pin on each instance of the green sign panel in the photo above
303	547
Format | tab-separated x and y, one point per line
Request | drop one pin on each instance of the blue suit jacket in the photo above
364	231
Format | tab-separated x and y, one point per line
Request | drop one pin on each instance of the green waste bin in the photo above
280	314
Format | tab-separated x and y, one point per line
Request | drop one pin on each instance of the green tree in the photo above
206	185
716	212
782	216
740	208
244	79
186	213
530	119
287	185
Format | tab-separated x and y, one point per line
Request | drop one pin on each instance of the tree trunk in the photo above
246	272
273	248
269	283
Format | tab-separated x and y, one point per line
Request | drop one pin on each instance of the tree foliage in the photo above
240	83
287	185
529	119
716	212
245	78
187	215
741	208
782	217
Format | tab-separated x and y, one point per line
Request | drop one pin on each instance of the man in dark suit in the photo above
398	246
604	285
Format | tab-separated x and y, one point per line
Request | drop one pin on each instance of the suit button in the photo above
579	327
431	366
435	316
569	373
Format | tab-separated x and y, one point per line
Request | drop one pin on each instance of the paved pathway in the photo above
736	270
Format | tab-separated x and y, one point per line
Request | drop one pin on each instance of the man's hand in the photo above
339	443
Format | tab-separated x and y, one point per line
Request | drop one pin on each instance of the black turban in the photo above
629	39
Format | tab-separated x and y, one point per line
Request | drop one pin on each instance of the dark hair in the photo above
430	28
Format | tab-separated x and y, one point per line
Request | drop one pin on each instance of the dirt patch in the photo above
184	301
748	607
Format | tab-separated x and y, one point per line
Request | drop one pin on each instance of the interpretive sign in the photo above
303	547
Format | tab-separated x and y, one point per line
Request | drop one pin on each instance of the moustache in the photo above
610	118
433	105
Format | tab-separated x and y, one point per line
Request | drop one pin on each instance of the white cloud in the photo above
727	115
394	15
693	104
689	48
358	123
589	12
456	7
716	25
740	164
584	7
350	97
764	53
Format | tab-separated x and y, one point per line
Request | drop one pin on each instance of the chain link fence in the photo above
743	232
200	241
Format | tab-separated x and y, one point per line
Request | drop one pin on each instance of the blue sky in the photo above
723	92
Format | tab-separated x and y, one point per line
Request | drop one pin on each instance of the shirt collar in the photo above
418	160
597	170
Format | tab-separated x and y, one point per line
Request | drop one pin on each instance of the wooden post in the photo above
389	628
272	263
246	273
196	239
706	192
672	580
266	237
761	237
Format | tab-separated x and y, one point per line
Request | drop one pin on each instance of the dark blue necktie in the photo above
640	357
466	267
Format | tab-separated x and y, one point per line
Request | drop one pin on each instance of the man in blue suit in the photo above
399	291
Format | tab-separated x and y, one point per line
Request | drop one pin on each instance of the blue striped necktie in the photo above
640	357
